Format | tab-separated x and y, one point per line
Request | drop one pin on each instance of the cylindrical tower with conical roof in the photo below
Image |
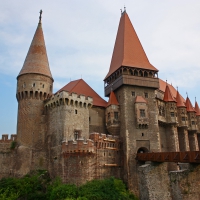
34	85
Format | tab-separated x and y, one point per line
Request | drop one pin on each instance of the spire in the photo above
168	97
189	105
197	108
36	60
112	99
128	50
179	100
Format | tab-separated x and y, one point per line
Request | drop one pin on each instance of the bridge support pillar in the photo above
154	181
183	139
193	141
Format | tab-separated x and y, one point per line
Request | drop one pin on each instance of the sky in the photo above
80	36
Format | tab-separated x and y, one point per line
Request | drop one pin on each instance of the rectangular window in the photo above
172	114
142	113
146	95
193	122
183	118
76	135
116	115
133	94
76	111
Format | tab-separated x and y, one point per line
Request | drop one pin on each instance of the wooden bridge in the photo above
182	157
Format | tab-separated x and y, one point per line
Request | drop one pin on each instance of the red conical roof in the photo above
36	60
168	97
128	50
179	100
197	109
189	105
81	87
112	99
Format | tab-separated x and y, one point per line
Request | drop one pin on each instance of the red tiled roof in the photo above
36	60
197	109
81	87
172	89
128	50
140	99
189	105
179	100
168	97
112	99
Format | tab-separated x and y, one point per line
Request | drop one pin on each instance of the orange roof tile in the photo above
197	109
36	60
168	97
172	89
189	105
128	50
81	87
179	100
112	99
140	99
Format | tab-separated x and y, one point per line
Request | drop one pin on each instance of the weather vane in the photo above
40	17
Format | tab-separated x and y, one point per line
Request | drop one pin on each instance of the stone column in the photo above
183	139
193	142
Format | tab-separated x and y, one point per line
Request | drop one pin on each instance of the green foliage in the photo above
107	189
38	185
13	145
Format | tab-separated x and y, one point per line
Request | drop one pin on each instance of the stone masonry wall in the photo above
154	182
132	136
185	184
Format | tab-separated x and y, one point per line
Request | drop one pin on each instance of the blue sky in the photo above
80	37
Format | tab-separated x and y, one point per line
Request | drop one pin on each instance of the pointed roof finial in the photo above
40	17
187	94
121	11
195	99
166	81
124	8
177	88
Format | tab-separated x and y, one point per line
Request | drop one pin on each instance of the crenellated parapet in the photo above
66	98
5	138
5	142
91	145
78	146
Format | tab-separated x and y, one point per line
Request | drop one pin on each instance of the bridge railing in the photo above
183	157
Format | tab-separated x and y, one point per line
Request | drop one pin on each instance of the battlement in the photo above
79	145
4	138
66	98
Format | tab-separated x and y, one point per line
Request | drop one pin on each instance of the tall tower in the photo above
133	80
34	85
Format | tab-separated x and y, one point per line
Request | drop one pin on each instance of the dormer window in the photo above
116	115
142	113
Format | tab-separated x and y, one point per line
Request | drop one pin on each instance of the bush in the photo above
38	185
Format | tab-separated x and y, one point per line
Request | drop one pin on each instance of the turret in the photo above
191	115
34	85
181	111
112	115
197	116
171	111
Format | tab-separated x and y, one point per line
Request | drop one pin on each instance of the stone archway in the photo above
142	150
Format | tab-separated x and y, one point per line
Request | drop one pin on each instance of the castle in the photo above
78	136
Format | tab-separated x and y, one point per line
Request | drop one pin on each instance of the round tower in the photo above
34	85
